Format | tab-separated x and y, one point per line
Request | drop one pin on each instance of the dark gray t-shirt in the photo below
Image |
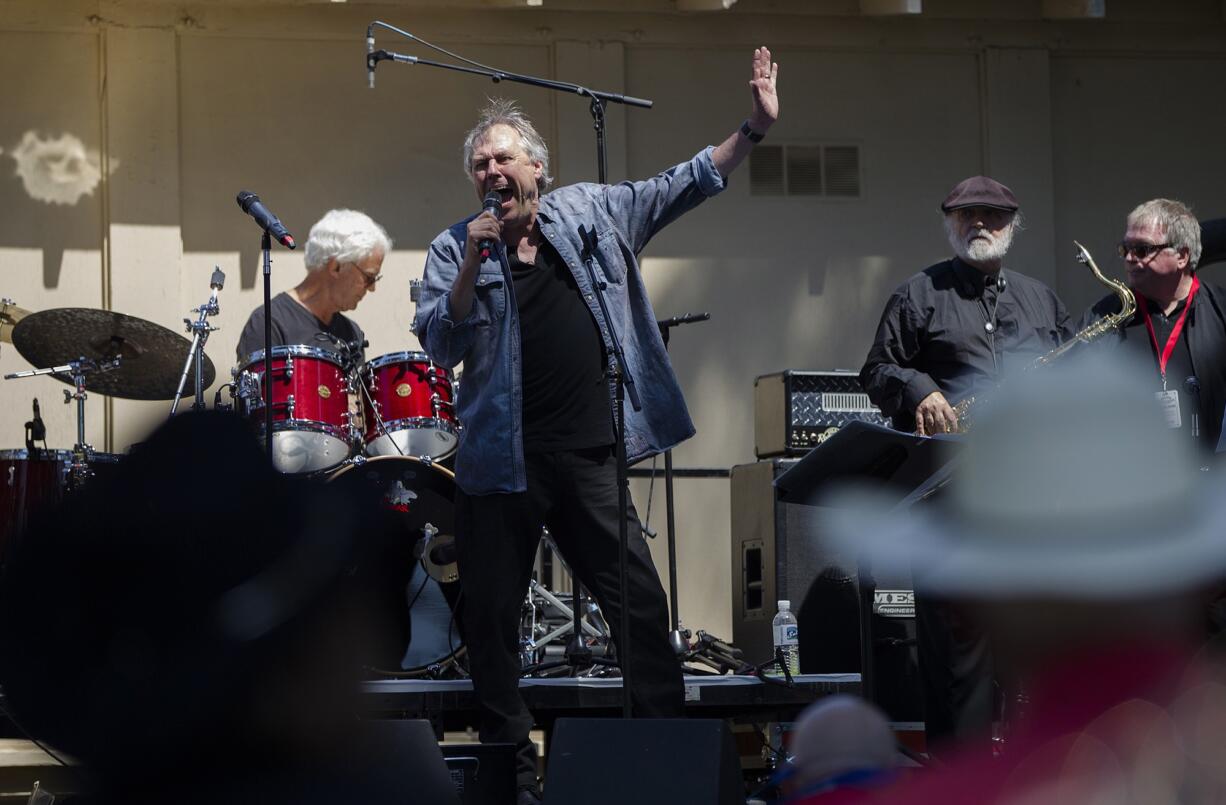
294	324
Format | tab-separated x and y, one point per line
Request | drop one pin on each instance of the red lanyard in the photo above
1165	352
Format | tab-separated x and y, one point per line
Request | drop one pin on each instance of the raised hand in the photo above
763	84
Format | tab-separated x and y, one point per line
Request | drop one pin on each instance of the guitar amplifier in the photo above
795	411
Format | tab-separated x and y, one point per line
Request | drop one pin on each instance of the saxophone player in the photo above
1177	336
947	332
958	325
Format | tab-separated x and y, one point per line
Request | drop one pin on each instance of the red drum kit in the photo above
327	412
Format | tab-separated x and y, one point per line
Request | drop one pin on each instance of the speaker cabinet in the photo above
649	761
778	554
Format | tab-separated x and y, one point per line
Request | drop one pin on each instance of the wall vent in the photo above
795	169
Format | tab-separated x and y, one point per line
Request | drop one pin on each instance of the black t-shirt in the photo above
294	324
565	390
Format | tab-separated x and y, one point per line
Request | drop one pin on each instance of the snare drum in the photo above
416	402
312	422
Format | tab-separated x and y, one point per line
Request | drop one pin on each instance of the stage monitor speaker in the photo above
407	749
483	774
649	761
778	554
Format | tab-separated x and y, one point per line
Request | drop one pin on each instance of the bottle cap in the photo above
785	605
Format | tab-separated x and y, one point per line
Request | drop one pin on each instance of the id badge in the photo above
1169	402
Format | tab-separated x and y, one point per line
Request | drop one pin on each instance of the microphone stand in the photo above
619	371
266	392
677	638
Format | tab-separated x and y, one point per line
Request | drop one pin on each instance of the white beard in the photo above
987	249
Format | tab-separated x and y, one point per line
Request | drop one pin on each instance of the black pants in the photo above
575	495
955	659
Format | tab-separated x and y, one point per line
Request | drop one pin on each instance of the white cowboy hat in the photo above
1070	486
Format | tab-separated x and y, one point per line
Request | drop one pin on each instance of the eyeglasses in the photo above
370	280
1141	251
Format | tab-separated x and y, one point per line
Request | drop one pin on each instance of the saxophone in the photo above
1128	305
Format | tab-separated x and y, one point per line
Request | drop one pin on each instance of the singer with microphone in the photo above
947	333
344	254
507	293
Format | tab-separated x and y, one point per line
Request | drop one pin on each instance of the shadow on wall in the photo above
51	196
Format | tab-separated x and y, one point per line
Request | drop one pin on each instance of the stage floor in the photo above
450	704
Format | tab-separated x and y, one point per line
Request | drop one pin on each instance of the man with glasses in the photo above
344	254
1178	334
947	333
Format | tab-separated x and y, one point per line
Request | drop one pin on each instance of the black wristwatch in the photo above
754	137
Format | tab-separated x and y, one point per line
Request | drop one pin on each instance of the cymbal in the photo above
10	314
153	356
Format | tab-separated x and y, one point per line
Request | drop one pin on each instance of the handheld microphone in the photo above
493	203
250	203
370	55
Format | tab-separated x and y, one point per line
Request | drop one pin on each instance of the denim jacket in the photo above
490	401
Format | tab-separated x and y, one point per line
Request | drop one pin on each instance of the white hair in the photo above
348	236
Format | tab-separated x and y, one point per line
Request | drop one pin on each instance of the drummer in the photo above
344	255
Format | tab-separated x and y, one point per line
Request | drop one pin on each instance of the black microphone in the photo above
1000	282
250	203
38	429
493	203
370	55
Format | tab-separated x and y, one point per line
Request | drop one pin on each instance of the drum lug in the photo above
427	460
289	375
358	460
289	406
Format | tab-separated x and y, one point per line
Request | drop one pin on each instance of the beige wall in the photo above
190	103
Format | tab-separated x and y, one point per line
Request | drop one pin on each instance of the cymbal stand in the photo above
77	370
200	329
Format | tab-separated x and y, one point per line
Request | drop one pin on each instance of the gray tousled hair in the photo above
503	111
1180	226
348	236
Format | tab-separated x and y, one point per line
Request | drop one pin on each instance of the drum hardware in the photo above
437	554
78	370
200	329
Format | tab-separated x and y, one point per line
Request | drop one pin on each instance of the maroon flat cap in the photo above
980	191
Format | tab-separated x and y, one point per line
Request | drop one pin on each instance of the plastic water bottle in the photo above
787	637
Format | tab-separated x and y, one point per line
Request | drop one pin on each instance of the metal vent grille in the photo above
842	170
766	171
848	403
805	170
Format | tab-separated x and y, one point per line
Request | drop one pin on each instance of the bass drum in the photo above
419	498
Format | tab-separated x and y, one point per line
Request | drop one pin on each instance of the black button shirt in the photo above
933	336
